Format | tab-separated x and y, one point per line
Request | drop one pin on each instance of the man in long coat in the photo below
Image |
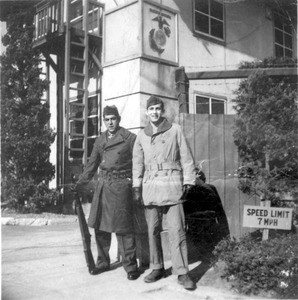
162	166
111	208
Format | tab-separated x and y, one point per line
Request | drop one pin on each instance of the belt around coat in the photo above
109	175
163	166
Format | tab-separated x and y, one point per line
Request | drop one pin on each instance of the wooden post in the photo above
265	235
60	121
182	86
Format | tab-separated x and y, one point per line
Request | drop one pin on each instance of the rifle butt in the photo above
86	236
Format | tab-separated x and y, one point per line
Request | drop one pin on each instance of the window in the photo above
83	125
95	15
94	19
209	105
283	37
92	131
209	18
76	14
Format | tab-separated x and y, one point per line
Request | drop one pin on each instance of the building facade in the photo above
99	53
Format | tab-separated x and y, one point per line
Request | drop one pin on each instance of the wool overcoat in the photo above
111	208
162	164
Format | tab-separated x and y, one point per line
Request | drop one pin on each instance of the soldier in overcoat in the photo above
112	206
163	167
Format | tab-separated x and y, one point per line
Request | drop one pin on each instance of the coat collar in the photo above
120	136
163	126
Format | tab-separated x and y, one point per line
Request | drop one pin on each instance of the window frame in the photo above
284	33
208	36
193	103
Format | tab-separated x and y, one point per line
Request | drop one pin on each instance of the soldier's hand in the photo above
74	188
187	188
137	196
204	189
199	182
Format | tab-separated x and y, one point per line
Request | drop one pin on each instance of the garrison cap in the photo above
153	100
111	110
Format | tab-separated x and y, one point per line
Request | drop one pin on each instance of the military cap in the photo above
111	110
153	100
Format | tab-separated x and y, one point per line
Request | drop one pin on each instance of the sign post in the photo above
265	233
267	217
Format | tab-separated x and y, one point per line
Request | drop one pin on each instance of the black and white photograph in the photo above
149	149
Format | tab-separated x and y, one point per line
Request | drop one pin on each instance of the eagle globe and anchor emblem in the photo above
158	37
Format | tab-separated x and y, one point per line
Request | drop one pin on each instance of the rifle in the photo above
86	236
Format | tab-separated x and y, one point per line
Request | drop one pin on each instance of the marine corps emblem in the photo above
158	37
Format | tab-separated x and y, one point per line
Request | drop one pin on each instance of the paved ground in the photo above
47	262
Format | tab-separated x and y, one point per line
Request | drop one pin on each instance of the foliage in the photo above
270	62
44	200
266	131
25	135
286	8
35	198
254	266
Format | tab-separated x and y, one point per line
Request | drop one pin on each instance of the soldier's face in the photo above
155	112
111	122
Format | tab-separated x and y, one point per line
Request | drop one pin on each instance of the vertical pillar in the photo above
65	108
182	87
86	77
60	116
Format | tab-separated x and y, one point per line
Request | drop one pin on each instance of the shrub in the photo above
44	200
27	197
265	130
16	192
254	266
25	134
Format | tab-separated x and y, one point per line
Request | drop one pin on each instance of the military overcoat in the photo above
162	163
111	208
